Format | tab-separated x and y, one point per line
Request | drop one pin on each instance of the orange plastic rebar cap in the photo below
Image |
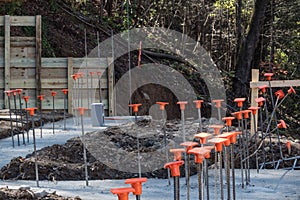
260	101
200	153
282	124
31	110
53	93
188	145
217	128
26	98
81	110
203	136
218	102
263	88
19	91
238	115
246	113
291	91
7	92
41	97
135	107
162	105
228	120
182	104
122	192
65	91
92	73
177	153
218	143
254	109
268	76
198	103
240	101
227	135
136	184
279	94
174	167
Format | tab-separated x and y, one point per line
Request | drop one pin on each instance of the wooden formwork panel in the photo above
22	52
19	20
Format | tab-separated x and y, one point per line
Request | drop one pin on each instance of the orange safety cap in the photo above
282	124
122	192
291	91
239	101
218	102
26	98
198	103
65	91
177	153
19	91
136	184
217	128
246	113
238	115
228	120
260	101
53	93
81	110
279	94
174	167
7	92
254	109
268	76
263	88
218	143
41	97
288	146
162	105
31	110
182	104
203	136
188	145
135	107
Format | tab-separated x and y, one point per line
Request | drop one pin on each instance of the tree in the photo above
247	50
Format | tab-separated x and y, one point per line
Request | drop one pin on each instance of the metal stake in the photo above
27	121
10	117
21	114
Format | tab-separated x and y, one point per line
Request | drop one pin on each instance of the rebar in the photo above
53	115
166	143
17	123
232	171
84	153
27	122
35	154
10	117
21	116
227	158
176	188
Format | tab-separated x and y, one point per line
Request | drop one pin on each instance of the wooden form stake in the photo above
255	83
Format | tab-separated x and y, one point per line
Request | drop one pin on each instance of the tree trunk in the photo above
247	50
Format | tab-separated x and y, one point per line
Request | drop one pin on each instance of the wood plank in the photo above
22	63
22	20
22	41
7	56
279	83
38	54
22	52
55	83
2	20
254	95
70	85
53	73
111	80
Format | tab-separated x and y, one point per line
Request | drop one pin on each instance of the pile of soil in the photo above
26	193
112	153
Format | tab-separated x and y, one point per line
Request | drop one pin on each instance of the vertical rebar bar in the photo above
232	171
176	188
53	115
10	117
84	153
35	155
17	123
27	122
166	143
221	176
227	158
21	116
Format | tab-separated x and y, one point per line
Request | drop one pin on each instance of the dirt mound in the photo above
113	153
26	193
